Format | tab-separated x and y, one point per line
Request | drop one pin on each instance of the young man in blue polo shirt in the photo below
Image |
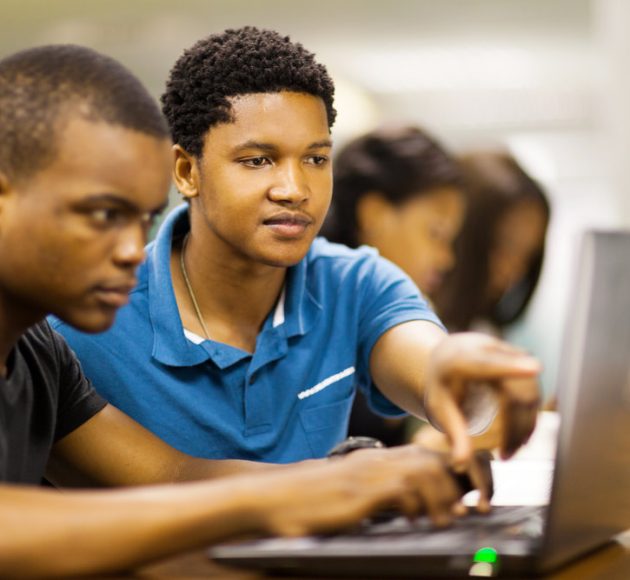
246	337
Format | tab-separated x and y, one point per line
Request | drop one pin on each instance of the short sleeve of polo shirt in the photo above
388	298
78	401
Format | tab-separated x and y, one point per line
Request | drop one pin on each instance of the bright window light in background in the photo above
535	158
497	67
357	112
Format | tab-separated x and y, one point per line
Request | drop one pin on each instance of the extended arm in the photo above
57	533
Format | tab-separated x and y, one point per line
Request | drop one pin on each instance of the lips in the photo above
288	225
114	295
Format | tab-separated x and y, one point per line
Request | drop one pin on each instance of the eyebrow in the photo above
120	201
320	144
270	147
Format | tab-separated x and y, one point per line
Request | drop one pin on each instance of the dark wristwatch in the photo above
353	443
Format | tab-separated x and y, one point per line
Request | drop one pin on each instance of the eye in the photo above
148	218
318	160
106	216
255	162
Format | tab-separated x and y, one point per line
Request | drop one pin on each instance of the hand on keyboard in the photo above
479	476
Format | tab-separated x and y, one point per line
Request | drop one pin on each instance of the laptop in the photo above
589	500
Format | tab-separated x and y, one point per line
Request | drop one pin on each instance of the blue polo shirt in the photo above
287	401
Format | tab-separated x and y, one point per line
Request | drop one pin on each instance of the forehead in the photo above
446	200
283	118
94	156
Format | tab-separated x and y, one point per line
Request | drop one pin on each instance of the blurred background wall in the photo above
548	79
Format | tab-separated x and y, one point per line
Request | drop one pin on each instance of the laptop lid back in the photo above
590	500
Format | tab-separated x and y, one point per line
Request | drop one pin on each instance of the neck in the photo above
234	297
15	319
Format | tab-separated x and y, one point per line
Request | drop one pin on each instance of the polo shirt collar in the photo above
170	346
301	309
295	314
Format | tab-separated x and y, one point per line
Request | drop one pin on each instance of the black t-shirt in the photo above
44	397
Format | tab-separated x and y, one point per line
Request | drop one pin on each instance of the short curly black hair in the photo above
237	62
41	86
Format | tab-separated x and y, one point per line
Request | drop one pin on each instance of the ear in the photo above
4	182
374	215
5	188
185	172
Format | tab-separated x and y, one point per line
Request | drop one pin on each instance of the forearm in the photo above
76	533
399	363
130	455
195	469
62	534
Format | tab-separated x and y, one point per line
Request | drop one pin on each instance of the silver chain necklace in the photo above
190	290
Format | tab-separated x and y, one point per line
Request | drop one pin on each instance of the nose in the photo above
289	187
129	250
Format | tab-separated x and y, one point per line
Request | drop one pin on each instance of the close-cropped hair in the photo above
236	62
494	183
398	163
42	87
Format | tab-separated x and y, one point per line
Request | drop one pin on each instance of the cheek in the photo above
45	249
416	244
70	256
59	266
321	193
407	248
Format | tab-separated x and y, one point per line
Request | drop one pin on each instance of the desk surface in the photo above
609	563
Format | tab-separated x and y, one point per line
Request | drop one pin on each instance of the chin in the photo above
92	324
282	262
284	259
278	264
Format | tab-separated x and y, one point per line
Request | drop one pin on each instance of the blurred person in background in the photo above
397	189
500	248
499	256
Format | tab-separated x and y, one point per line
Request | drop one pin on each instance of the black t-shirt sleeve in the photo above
78	401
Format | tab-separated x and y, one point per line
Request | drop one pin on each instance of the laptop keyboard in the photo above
510	522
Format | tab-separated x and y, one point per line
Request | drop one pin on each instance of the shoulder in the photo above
331	260
41	345
322	249
39	336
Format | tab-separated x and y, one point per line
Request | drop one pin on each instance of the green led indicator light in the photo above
486	555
